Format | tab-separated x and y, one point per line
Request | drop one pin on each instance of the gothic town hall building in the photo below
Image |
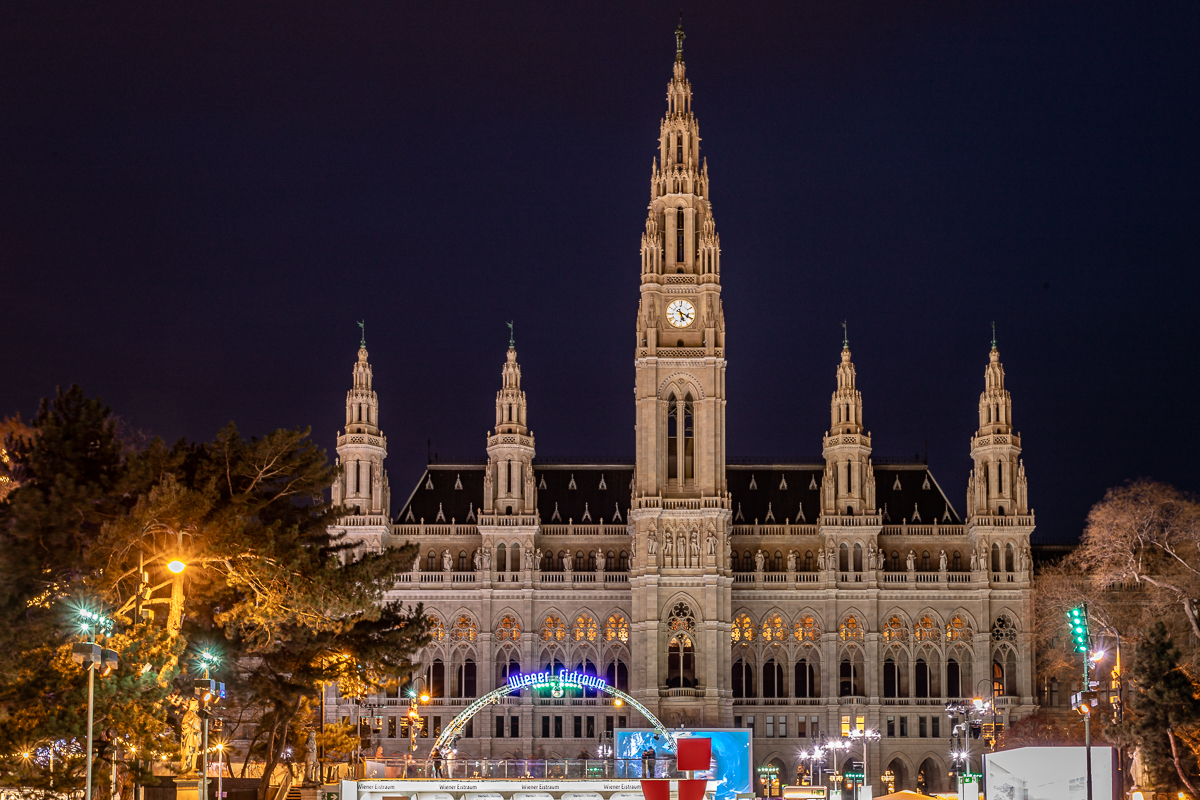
800	600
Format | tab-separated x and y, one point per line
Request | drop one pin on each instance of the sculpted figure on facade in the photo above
416	567
695	544
478	559
943	563
912	560
600	561
568	565
728	554
759	560
821	560
872	556
447	561
710	542
487	558
667	540
651	542
1024	564
974	561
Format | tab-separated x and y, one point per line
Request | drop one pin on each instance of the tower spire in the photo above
511	341
362	327
993	334
845	337
996	486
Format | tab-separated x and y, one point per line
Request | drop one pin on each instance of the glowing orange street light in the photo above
176	566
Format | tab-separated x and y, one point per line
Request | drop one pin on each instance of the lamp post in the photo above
866	736
812	756
415	696
207	690
832	745
89	654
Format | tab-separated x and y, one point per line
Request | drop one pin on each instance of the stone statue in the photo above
310	758
447	561
568	564
651	543
821	560
791	560
600	562
974	561
478	559
710	543
1024	564
831	557
728	554
759	560
695	543
487	558
667	540
872	558
189	738
942	562
416	567
538	558
912	560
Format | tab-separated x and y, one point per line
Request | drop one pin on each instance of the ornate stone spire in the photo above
848	488
996	486
362	481
508	485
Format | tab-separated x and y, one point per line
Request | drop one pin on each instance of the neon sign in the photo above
547	680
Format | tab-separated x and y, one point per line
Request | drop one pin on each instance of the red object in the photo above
659	789
694	754
693	789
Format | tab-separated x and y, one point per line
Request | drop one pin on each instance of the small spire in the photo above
845	337
362	327
993	334
679	37
511	342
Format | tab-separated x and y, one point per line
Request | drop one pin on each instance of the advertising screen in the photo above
1049	773
733	763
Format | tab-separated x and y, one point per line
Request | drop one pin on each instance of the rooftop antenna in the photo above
362	327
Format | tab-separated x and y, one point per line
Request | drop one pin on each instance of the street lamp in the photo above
90	654
832	745
208	691
812	756
866	736
414	716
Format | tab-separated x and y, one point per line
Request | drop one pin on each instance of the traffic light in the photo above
1077	619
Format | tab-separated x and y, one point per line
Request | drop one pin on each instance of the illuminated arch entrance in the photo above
556	684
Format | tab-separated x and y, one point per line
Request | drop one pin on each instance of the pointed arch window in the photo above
743	630
616	628
742	679
584	628
774	630
553	629
773	684
681	662
805	679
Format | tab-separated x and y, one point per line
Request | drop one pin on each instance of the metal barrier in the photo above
583	769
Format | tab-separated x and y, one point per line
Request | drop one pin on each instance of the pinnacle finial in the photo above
511	342
993	334
845	337
362	327
679	37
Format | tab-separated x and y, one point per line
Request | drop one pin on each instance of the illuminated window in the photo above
894	630
743	629
681	618
807	629
851	629
617	627
927	630
464	629
957	630
437	630
509	629
553	629
584	628
774	629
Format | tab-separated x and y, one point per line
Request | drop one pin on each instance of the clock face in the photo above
680	313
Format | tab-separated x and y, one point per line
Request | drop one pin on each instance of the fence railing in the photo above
522	769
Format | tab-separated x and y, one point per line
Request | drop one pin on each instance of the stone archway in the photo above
901	778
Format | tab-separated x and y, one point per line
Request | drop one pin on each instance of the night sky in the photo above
198	201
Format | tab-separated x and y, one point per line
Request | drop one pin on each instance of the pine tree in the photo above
1163	701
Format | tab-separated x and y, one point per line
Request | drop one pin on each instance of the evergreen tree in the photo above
1162	703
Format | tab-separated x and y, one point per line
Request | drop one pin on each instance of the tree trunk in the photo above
175	614
1178	766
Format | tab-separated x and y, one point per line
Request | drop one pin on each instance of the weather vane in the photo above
511	343
362	326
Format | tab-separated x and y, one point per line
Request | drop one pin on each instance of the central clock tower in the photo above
681	510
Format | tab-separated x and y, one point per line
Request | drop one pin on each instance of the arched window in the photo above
681	662
747	561
617	675
547	561
808	561
849	677
953	679
553	629
889	678
591	560
616	628
743	629
586	667
506	667
508	476
807	629
774	629
895	561
610	561
435	678
584	628
778	561
858	559
462	560
925	560
509	629
464	679
957	561
772	681
679	154
431	562
501	558
922	678
805	679
743	679
515	560
673	434
734	562
679	222
463	629
623	561
995	557
437	629
997	677
579	561
843	558
563	555
1008	558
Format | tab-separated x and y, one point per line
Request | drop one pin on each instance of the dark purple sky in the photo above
197	201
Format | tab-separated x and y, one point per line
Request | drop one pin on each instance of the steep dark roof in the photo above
437	490
784	491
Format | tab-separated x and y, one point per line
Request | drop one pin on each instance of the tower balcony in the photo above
361	438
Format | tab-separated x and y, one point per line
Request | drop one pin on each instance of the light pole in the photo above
832	745
866	736
207	690
90	654
812	756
